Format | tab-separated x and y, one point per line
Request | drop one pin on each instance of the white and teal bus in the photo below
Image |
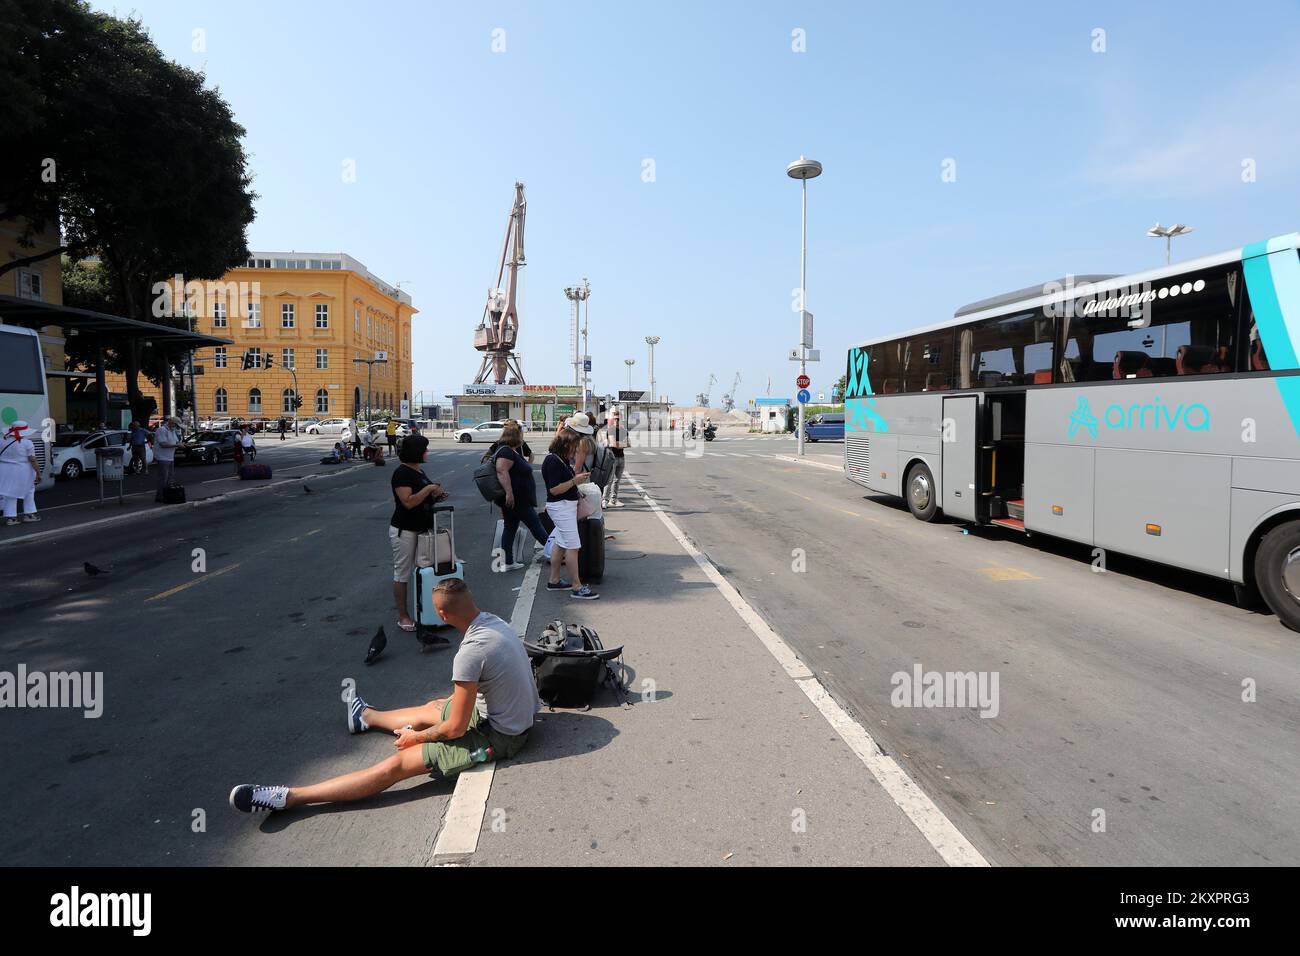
1154	414
23	395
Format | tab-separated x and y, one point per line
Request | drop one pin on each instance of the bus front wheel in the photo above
1277	572
919	491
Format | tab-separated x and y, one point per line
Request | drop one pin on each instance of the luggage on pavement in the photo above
521	540
570	663
173	495
435	560
591	559
254	472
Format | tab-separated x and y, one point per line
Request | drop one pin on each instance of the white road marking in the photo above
937	829
458	838
734	454
809	461
644	452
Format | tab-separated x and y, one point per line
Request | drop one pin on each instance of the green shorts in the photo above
450	757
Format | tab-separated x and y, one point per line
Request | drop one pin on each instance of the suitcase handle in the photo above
438	508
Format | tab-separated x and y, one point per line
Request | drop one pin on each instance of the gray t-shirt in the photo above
493	656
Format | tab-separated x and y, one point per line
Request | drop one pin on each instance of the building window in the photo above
287	359
254	401
29	284
254	315
286	315
322	316
219	356
356	321
286	401
322	358
218	315
220	402
322	401
259	263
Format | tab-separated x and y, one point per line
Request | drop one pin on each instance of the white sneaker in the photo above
514	567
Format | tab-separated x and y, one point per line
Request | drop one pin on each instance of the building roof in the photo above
327	261
36	315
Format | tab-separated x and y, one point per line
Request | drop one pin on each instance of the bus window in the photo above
1187	328
922	363
1016	350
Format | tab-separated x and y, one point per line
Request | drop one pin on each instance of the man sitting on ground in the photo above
442	737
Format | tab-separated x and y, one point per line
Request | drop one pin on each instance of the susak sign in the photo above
491	389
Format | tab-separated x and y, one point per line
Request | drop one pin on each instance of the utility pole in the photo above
803	169
629	363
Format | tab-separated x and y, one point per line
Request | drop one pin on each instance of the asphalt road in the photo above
218	678
1120	692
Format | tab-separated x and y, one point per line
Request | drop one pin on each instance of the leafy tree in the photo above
151	174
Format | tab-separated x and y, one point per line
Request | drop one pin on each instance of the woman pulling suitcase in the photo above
413	494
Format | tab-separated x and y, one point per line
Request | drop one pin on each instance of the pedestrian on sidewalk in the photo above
354	438
444	736
20	473
139	438
616	440
250	446
284	427
165	440
414	495
561	483
516	475
239	449
391	431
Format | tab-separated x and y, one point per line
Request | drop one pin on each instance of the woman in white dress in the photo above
19	474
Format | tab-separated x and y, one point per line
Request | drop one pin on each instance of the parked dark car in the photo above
827	426
206	448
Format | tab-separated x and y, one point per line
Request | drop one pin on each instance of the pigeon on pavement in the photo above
377	645
92	570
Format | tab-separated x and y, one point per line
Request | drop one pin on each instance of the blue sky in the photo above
1063	158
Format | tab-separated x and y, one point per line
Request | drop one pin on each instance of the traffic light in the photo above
248	361
297	402
269	360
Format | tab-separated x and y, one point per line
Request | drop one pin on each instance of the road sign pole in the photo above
803	304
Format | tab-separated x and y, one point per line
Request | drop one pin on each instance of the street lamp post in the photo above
652	341
1167	234
370	364
629	363
803	169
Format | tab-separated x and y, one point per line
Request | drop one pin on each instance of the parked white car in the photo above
488	431
74	453
329	426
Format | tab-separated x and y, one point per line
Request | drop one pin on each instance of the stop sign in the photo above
803	381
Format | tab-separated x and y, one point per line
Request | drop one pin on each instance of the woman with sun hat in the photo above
20	473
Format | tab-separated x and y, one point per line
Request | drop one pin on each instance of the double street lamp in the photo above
370	364
1167	234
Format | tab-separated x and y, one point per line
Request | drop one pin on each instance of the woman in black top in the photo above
516	476
413	494
562	505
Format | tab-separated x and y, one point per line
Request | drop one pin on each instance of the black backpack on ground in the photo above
570	663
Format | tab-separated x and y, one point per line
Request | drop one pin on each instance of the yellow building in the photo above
307	316
40	282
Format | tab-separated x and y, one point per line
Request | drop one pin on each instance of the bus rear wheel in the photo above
919	491
1277	572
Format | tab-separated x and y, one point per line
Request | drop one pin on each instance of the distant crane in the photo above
498	330
703	397
729	400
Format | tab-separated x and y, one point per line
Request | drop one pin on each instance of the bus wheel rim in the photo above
921	497
1291	574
